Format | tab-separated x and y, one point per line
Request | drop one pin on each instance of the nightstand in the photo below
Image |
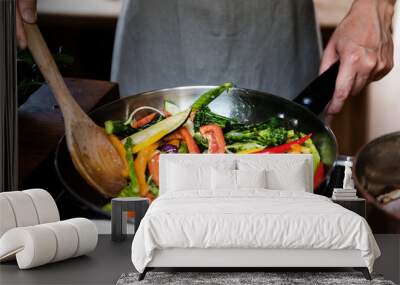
120	206
357	205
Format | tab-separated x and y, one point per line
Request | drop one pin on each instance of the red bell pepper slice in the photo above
190	142
285	147
215	137
319	175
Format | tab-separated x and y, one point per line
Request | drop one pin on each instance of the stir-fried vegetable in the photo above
169	148
215	137
119	128
191	144
201	141
131	119
198	130
314	152
133	186
266	137
205	116
153	188
210	95
154	168
319	175
287	146
172	109
122	153
183	148
243	148
155	132
144	121
268	133
140	166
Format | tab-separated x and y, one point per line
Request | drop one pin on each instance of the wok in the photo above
243	104
376	173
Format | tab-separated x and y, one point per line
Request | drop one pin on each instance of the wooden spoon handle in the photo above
50	72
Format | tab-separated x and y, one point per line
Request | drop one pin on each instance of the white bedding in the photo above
252	218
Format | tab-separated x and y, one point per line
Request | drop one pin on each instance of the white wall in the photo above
384	96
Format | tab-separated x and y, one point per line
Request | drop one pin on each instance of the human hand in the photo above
25	12
363	44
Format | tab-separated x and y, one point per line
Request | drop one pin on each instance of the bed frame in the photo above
242	259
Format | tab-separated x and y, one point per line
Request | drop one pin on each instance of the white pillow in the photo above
223	179
294	178
293	172
251	178
182	177
227	179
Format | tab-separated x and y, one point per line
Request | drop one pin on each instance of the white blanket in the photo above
250	219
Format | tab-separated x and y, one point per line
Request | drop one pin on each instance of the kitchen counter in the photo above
329	13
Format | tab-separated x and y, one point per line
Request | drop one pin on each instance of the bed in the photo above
246	211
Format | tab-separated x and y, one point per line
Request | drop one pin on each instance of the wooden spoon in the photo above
91	151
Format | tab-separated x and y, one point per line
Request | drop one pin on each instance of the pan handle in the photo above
319	92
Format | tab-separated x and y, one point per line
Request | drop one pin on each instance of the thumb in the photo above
329	57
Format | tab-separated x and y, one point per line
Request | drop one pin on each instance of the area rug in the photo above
243	278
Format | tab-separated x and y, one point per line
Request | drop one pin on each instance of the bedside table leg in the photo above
118	221
142	275
140	209
364	271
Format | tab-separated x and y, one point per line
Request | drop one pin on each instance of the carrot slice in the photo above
143	121
190	142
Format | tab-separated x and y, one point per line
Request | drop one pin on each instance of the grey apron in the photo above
268	45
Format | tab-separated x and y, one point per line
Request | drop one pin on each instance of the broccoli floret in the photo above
273	137
266	137
205	116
